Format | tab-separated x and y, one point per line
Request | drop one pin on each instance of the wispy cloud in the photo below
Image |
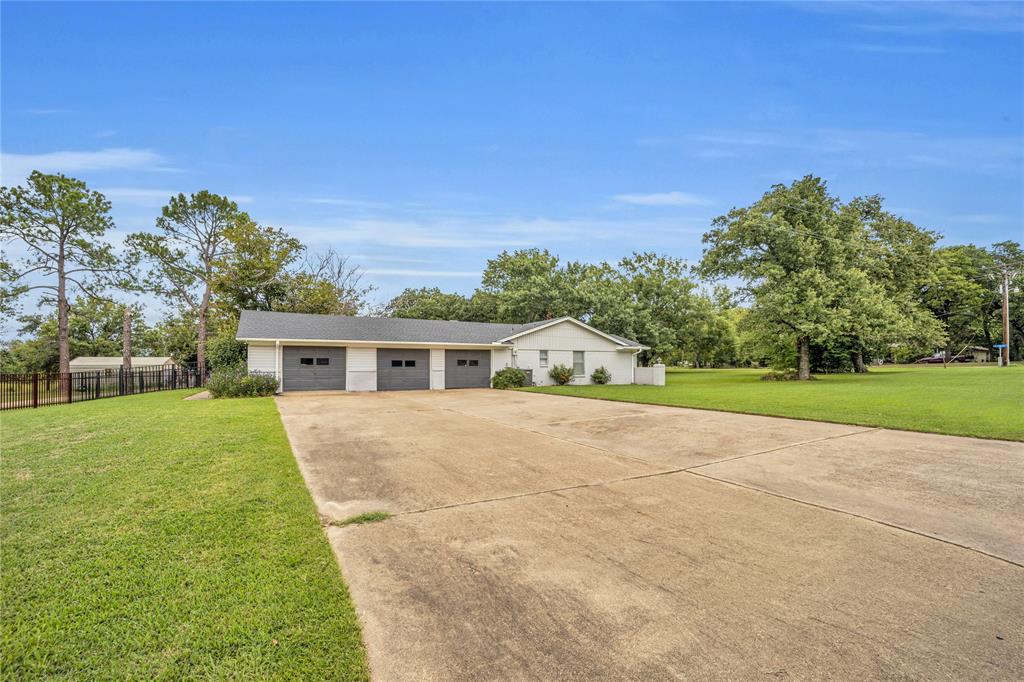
16	167
138	196
663	199
46	111
402	272
907	149
977	218
879	48
917	18
344	202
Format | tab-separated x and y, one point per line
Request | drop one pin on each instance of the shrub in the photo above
237	382
560	374
509	377
601	375
224	351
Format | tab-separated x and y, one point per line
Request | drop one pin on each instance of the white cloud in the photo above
15	168
909	149
139	196
402	272
896	49
977	218
663	199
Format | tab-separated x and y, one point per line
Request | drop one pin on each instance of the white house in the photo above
334	352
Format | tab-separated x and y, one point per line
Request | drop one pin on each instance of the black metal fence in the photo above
57	388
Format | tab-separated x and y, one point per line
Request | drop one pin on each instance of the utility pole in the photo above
1005	350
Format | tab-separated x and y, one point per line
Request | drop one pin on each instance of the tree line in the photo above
798	280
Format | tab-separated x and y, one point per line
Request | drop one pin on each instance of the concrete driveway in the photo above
546	537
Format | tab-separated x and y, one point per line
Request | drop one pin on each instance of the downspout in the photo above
277	363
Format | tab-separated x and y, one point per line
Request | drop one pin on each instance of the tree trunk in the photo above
803	370
858	362
63	349
126	341
204	307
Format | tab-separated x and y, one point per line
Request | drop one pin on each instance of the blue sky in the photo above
422	139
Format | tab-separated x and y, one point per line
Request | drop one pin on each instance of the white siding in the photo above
565	336
360	369
500	359
560	340
262	359
437	369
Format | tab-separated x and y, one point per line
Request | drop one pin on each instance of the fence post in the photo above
71	389
142	382
35	389
96	390
174	376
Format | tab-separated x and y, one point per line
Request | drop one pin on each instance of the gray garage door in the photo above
310	368
467	368
402	370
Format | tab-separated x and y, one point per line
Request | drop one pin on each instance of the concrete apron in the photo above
547	537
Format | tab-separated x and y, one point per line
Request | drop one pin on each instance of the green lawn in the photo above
150	537
968	400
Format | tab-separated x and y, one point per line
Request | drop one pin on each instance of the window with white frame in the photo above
543	358
577	363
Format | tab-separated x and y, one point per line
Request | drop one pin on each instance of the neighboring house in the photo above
333	352
979	353
100	362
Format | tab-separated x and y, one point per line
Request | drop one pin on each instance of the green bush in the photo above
223	351
601	375
509	377
237	382
560	374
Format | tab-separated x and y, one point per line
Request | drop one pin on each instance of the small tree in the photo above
59	222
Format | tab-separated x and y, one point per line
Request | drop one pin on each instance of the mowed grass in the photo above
148	537
967	400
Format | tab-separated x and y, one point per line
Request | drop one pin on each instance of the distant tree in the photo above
95	327
59	223
428	304
252	272
183	255
661	301
526	286
326	284
896	258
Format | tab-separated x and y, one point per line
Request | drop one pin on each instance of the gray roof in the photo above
259	324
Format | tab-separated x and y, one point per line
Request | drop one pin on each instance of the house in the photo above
103	362
979	353
334	352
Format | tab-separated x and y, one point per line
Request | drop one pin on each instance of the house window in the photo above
396	363
323	361
474	363
410	363
305	361
543	358
460	363
577	363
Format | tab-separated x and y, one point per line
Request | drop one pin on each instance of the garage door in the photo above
467	368
309	368
402	370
